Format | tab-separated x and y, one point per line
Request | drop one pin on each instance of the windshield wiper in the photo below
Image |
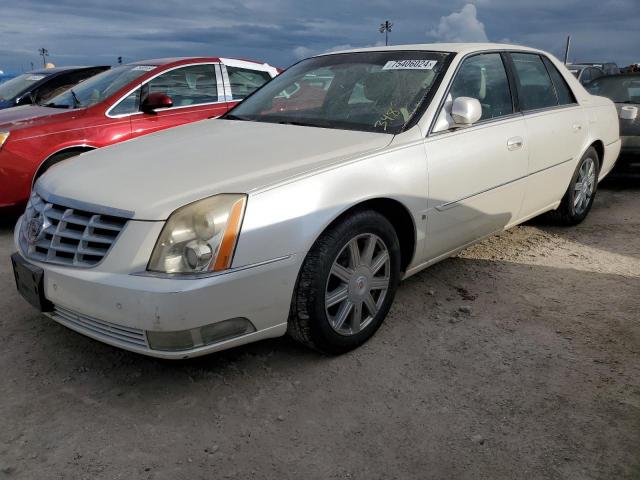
34	100
231	116
298	124
55	105
76	102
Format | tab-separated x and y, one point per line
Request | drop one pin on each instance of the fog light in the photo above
218	332
198	337
170	341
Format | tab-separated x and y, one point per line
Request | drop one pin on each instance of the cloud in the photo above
303	52
462	26
283	31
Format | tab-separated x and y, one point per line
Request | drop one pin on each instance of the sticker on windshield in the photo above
144	68
35	78
410	65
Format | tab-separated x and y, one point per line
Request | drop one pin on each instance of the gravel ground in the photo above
520	358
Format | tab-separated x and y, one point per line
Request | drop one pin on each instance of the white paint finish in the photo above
202	159
263	67
291	216
471	175
556	139
459	186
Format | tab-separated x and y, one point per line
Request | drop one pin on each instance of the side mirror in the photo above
466	111
26	99
155	101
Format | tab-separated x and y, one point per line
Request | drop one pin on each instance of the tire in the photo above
51	161
317	324
578	199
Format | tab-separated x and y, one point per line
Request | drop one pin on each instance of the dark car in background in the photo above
609	68
39	86
6	77
585	73
624	90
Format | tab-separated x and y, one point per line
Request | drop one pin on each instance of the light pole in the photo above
45	53
386	28
566	50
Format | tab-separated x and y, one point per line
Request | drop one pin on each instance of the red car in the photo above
122	103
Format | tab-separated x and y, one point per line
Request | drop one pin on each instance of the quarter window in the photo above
484	77
192	85
245	81
535	88
130	104
565	96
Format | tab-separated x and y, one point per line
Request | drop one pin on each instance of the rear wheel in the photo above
578	199
347	284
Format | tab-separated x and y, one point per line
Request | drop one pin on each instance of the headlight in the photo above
200	237
3	138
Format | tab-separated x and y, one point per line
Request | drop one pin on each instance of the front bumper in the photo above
120	308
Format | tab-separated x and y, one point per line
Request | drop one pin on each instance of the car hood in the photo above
156	174
32	115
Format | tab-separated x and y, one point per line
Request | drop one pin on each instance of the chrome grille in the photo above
54	233
98	328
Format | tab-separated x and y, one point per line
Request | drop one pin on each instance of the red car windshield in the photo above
99	88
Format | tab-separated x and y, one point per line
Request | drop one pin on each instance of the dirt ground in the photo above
518	359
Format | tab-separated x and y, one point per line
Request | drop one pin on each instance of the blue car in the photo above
39	85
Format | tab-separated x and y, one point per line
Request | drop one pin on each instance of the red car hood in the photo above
32	115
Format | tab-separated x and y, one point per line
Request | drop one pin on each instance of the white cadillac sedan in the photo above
302	209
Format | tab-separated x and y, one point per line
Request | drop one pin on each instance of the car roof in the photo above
584	65
462	48
170	60
166	61
46	71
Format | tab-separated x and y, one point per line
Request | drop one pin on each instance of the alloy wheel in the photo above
357	284
584	186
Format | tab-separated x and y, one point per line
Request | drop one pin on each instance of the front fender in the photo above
287	219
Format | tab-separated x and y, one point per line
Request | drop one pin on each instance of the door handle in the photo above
515	143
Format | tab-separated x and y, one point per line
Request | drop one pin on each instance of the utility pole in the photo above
386	28
44	53
566	50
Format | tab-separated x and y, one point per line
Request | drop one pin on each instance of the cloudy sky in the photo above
282	31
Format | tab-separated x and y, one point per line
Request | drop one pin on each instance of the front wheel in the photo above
347	284
578	199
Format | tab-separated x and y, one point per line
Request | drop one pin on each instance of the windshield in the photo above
100	87
367	91
17	85
620	89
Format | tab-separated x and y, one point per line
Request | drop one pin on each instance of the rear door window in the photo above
535	88
244	81
564	93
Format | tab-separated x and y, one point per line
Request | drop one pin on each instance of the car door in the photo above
194	90
556	129
476	173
